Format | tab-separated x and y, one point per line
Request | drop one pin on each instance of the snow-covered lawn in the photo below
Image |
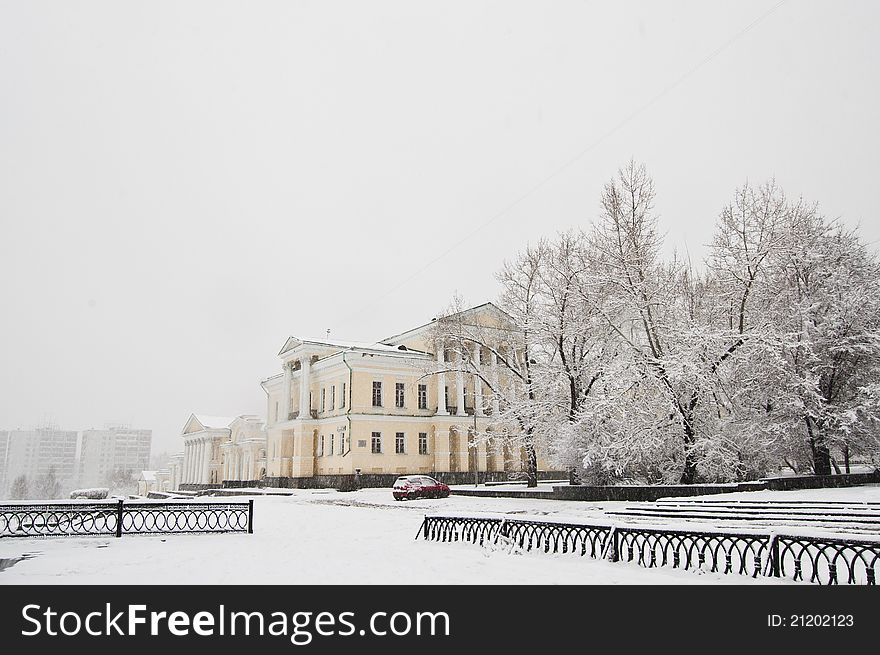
365	537
322	537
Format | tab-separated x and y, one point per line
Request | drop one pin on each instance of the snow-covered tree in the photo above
640	367
122	481
827	313
469	348
20	489
47	486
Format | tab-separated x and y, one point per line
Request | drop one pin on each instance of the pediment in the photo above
192	425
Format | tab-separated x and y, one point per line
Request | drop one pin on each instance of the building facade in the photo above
347	414
221	451
115	448
154	481
34	453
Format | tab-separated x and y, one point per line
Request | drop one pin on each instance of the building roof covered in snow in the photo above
337	346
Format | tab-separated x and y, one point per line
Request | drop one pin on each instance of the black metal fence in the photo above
120	517
818	560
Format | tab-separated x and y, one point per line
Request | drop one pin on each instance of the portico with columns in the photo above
209	450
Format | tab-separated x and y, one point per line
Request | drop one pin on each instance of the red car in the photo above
408	487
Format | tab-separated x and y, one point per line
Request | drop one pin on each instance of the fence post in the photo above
611	546
775	564
119	517
251	516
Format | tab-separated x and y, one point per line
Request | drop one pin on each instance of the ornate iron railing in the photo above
811	559
118	518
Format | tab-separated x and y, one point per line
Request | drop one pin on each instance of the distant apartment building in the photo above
114	448
33	453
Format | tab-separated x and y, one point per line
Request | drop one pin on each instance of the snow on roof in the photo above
354	344
347	345
149	476
214	422
411	331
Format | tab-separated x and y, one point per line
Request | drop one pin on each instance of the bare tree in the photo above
47	486
511	385
20	489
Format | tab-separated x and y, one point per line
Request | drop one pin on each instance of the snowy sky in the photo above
185	184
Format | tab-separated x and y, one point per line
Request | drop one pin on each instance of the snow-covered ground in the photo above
365	537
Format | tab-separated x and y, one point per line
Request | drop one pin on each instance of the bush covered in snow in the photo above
98	493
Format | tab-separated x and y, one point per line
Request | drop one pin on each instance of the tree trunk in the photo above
846	458
819	448
821	457
531	464
689	474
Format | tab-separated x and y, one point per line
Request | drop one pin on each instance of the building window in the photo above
342	444
399	443
423	396
332	437
398	394
377	394
323	399
423	443
321	447
342	400
276	411
332	397
446	394
376	443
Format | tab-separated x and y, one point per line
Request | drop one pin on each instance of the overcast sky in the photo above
185	184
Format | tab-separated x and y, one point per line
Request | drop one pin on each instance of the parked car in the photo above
407	487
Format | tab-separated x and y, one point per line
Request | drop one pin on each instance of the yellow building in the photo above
343	414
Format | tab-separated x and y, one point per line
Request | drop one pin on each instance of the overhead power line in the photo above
577	157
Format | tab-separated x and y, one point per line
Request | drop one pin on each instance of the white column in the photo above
304	385
459	387
478	382
285	389
190	460
478	396
206	461
495	404
196	461
197	455
441	384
